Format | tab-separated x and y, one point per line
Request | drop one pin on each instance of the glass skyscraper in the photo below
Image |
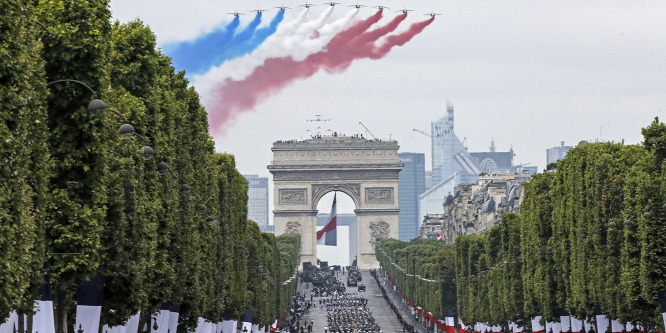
257	203
411	183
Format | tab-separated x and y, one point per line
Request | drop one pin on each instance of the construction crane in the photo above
367	130
422	132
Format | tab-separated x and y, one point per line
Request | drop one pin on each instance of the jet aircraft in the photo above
405	11
332	3
283	7
307	5
380	7
259	10
357	6
235	14
433	14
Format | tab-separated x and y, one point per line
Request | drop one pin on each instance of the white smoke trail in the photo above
326	33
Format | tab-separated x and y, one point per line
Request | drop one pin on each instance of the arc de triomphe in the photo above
366	170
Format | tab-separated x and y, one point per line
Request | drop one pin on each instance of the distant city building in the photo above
431	226
475	208
452	164
269	229
428	179
257	204
557	153
411	183
528	169
449	156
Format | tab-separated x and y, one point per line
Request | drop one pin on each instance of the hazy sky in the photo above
527	73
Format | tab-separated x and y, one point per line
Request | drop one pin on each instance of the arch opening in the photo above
344	252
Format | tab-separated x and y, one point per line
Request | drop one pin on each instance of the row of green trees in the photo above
78	197
590	235
423	269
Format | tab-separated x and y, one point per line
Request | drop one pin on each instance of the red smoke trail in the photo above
354	43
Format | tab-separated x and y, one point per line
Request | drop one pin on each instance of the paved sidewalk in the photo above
402	307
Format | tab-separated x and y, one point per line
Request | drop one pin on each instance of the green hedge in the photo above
571	248
72	185
427	279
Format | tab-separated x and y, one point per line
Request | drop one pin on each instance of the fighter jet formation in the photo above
333	4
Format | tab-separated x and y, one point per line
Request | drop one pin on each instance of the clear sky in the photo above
527	73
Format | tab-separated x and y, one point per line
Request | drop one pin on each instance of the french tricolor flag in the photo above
328	235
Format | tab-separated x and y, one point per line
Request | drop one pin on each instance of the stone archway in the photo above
366	170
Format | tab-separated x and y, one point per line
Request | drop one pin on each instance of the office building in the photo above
257	203
411	184
556	153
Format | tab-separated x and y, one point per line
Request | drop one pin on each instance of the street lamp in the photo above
162	168
96	106
212	221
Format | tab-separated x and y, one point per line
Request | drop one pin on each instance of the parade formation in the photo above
325	302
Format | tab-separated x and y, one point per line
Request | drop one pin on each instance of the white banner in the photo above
587	325
87	318
565	322
131	326
211	327
42	320
616	326
630	327
173	321
229	326
255	328
10	324
602	323
449	321
497	329
162	320
576	325
536	325
133	323
246	327
556	327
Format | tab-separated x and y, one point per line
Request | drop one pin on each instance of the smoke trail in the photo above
401	39
248	40
298	44
214	75
237	96
198	55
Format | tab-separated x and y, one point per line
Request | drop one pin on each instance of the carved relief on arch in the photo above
293	227
379	229
319	190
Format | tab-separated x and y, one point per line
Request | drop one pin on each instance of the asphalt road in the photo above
380	309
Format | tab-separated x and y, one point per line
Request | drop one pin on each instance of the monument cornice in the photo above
325	167
292	212
334	175
371	211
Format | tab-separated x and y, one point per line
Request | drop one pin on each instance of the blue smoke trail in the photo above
251	44
245	34
199	55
